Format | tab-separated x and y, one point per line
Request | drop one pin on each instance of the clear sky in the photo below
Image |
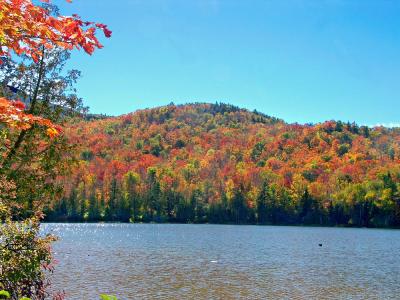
302	61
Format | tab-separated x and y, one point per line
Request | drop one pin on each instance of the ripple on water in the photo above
147	261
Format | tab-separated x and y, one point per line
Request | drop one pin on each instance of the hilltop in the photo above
220	163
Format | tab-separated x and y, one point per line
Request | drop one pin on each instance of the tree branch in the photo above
22	134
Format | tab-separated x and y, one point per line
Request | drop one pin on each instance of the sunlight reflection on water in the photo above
165	261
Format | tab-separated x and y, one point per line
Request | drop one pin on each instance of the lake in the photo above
170	261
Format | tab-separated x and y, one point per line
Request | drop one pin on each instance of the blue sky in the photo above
302	61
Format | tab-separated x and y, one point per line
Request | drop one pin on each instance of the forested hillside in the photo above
218	163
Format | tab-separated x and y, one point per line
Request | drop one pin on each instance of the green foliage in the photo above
263	205
25	258
257	150
4	294
108	297
31	159
343	149
87	155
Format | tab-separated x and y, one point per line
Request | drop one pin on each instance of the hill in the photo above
219	163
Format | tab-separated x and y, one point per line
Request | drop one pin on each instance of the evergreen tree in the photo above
111	207
262	211
93	210
153	195
239	207
309	210
131	181
73	214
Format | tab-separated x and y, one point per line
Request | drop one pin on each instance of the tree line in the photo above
370	204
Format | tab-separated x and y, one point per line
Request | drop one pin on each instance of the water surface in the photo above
168	261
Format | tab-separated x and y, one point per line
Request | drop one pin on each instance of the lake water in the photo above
168	261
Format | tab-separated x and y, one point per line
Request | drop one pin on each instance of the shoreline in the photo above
225	224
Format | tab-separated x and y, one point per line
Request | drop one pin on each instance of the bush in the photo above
25	256
25	259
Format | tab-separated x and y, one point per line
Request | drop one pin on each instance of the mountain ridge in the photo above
94	116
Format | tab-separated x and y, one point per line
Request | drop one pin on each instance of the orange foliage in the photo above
25	27
12	114
203	147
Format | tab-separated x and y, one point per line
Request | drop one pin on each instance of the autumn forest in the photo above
218	163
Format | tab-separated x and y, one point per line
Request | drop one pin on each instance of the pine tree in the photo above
262	217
